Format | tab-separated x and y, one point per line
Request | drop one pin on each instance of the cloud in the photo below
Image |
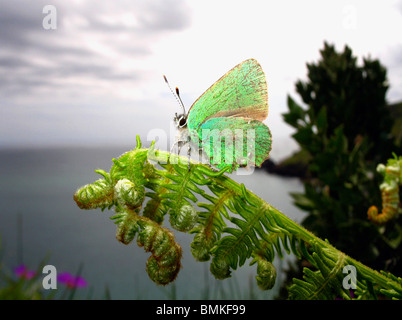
394	73
94	42
145	17
17	20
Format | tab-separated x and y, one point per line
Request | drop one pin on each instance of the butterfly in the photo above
225	122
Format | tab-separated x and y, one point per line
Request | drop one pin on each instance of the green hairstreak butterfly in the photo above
225	122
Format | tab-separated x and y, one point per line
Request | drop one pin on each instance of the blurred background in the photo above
80	79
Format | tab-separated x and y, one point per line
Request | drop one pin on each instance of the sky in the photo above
90	73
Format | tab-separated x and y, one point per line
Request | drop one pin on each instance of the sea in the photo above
40	223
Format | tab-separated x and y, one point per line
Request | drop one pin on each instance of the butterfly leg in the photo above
177	142
189	155
202	156
180	144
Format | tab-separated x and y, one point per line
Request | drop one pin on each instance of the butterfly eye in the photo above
182	121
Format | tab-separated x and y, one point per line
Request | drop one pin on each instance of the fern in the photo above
392	174
231	227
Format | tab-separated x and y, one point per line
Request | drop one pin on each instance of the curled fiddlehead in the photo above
184	218
96	195
164	263
266	274
124	188
266	271
128	194
389	192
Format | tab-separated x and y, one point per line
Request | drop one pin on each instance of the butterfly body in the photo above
225	122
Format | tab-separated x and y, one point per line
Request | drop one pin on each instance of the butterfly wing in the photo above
241	92
234	141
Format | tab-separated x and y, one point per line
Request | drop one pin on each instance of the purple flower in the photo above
22	272
71	281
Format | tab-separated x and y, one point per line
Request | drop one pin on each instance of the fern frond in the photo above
210	225
231	226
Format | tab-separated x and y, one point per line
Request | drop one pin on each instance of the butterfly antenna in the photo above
176	94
